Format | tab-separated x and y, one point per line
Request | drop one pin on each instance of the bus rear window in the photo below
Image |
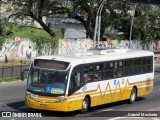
51	64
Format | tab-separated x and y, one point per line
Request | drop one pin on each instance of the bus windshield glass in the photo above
47	82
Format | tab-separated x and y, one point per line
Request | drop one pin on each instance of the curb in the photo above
12	83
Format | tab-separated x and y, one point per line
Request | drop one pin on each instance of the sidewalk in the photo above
13	83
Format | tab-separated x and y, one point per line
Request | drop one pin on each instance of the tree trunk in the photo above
46	28
89	33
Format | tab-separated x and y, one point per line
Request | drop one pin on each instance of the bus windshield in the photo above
47	82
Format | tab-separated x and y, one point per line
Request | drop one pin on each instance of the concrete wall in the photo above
12	50
67	46
74	31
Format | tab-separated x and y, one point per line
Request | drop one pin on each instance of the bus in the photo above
83	80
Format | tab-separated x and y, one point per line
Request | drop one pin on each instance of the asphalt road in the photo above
12	99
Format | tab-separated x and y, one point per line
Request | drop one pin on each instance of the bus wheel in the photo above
133	96
85	105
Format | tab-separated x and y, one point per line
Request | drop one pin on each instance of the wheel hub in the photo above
84	105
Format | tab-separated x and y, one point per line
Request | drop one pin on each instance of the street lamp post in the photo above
132	22
98	24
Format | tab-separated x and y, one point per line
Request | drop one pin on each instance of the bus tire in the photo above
133	96
85	105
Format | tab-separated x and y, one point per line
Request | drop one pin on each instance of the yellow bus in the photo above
83	80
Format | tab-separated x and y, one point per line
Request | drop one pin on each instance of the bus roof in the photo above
98	55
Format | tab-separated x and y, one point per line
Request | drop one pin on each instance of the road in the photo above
12	99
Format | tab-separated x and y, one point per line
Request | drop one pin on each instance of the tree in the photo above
115	15
1	29
86	10
119	17
2	34
147	23
37	9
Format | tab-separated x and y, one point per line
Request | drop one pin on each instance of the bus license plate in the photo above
43	105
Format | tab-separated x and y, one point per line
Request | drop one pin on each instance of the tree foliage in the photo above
147	23
37	9
114	15
41	41
86	10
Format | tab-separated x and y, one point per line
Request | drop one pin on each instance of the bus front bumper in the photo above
46	104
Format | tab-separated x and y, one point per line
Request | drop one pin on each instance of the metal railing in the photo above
13	70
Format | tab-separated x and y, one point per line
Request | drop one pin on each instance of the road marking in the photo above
96	111
116	118
106	110
154	109
155	119
83	115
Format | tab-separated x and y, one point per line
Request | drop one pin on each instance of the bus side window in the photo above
120	68
99	69
76	80
88	73
89	77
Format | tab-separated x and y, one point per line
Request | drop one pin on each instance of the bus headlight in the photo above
60	100
30	95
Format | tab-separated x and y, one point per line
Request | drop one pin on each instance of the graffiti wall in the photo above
135	44
23	47
67	46
13	50
156	46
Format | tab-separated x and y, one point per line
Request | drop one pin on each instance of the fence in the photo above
11	71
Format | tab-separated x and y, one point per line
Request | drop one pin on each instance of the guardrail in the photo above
11	71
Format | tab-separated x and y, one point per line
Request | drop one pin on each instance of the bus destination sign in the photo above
51	64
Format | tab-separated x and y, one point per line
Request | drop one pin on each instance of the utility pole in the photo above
97	30
132	22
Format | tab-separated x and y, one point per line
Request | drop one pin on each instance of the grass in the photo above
23	32
28	32
10	79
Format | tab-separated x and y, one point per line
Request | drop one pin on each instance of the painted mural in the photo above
135	44
13	50
23	50
67	46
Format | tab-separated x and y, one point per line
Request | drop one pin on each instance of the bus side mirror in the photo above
22	74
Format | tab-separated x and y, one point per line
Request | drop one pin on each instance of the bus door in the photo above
76	83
